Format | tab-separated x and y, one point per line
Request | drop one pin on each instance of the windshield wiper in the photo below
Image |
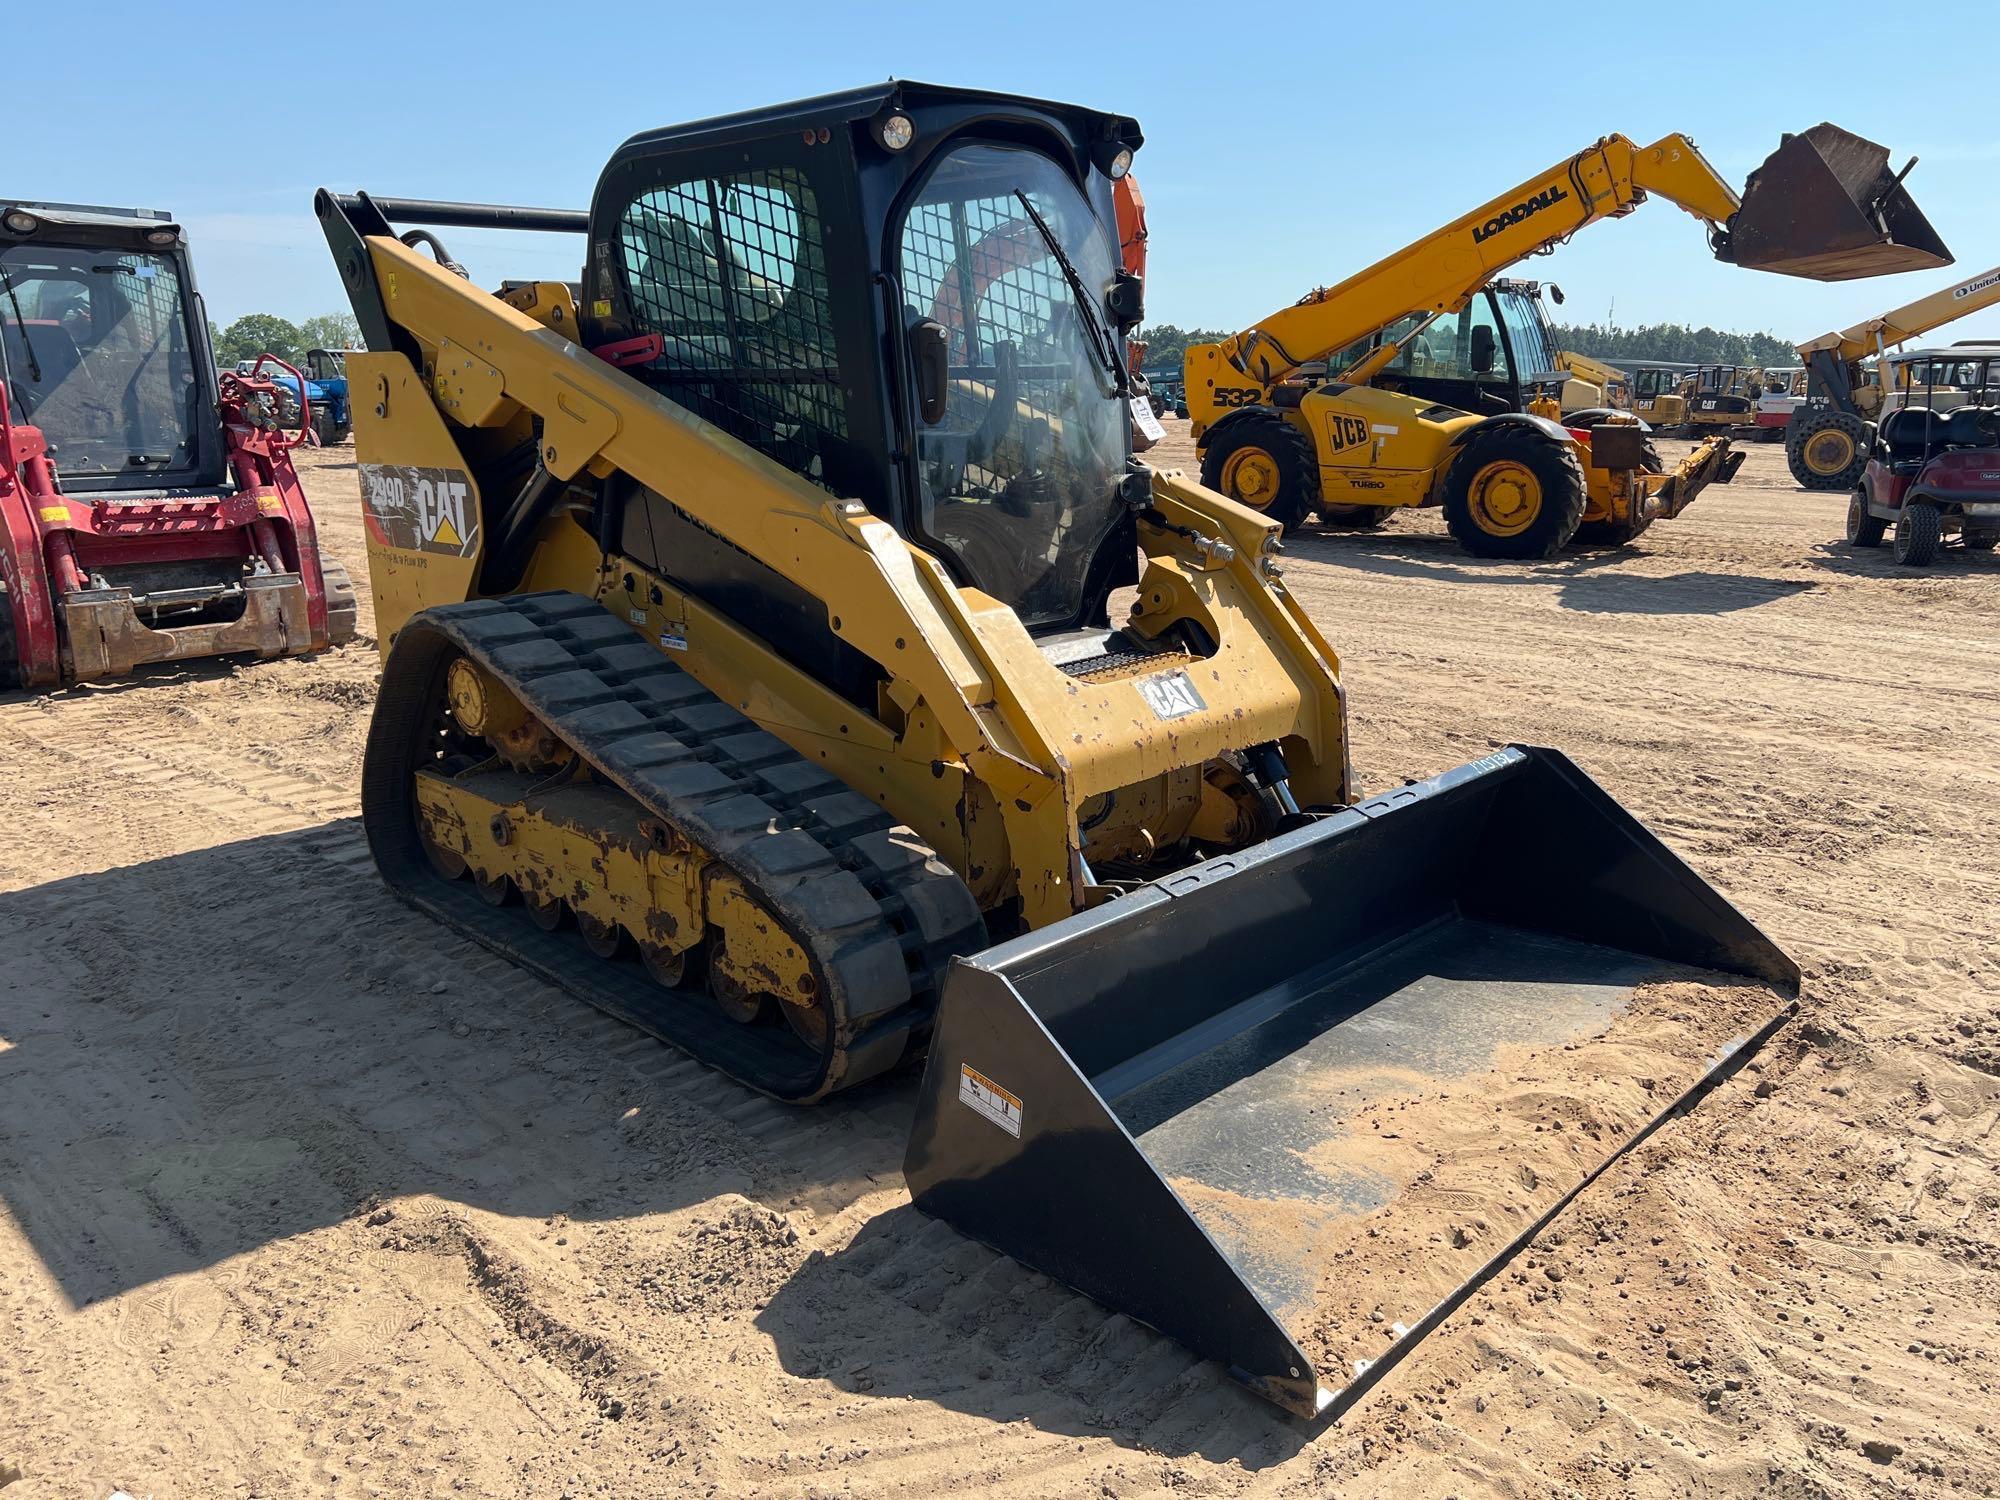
1100	339
21	322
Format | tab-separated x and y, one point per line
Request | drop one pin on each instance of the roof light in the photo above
163	236
894	131
1121	163
20	221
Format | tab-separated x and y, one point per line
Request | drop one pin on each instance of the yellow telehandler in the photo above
751	672
1290	440
1828	438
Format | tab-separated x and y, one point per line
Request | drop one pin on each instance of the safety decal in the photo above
55	515
983	1096
1170	695
422	510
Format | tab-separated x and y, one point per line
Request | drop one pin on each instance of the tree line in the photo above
1675	341
1166	344
263	333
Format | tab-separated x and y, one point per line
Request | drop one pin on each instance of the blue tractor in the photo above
326	373
326	387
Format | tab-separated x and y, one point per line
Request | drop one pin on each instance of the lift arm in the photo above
1439	272
1824	205
1874	336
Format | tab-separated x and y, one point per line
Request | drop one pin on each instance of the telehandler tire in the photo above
1827	449
1514	492
1863	530
1261	460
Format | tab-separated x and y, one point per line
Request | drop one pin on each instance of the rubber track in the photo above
875	911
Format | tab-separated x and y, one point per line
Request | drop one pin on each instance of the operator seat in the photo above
1910	434
1973	427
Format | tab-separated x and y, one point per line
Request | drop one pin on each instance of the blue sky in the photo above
1283	150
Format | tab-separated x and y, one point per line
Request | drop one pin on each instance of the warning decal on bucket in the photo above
987	1098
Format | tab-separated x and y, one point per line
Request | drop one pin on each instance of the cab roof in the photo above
869	100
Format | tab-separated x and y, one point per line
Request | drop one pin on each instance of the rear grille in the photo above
1111	665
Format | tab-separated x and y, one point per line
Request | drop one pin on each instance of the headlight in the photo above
1121	163
162	236
894	131
20	221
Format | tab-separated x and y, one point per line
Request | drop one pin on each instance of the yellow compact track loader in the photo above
1722	398
752	673
1290	418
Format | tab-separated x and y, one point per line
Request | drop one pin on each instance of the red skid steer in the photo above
149	510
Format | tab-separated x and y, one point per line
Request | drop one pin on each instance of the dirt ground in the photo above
300	1195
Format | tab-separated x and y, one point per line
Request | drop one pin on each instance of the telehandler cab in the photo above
1290	442
751	673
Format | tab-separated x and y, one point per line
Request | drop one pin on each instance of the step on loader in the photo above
149	510
752	673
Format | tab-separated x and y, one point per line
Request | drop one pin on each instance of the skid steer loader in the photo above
148	509
751	672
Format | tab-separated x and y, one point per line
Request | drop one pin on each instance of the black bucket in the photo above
1204	1103
1826	206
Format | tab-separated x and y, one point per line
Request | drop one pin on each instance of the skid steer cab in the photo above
149	511
755	676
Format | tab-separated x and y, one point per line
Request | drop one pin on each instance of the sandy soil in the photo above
299	1195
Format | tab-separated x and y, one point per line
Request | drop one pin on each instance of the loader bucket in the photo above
1825	205
1292	1106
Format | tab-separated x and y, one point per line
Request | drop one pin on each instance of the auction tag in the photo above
1145	421
983	1096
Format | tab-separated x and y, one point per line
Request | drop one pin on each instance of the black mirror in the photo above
1485	346
1556	294
1127	299
930	353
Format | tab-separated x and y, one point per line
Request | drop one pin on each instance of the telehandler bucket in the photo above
1826	206
1292	1106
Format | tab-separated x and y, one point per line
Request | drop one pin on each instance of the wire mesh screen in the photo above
980	268
731	273
153	290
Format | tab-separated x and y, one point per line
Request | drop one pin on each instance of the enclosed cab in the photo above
1722	398
1659	390
147	509
1496	354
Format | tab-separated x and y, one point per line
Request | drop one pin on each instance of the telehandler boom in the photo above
750	672
1828	438
1289	441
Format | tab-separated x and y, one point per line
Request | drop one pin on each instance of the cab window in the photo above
731	273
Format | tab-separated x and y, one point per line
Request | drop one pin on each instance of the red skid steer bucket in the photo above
1826	206
1292	1106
